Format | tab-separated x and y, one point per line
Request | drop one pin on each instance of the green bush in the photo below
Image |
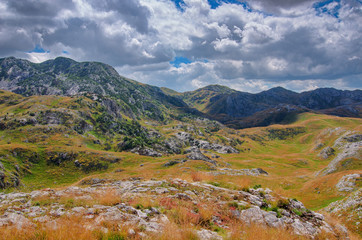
256	186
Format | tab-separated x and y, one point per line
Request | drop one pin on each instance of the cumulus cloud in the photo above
251	46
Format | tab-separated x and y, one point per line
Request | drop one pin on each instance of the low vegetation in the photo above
53	141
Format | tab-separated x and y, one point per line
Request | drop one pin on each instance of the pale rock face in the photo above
18	220
350	146
208	235
326	152
301	228
256	215
348	182
354	200
112	214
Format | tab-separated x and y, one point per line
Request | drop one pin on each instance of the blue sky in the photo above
187	44
38	49
322	7
180	4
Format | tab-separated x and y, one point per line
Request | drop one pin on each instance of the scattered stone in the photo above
112	215
202	144
151	219
261	171
131	232
161	190
354	138
239	172
145	151
353	203
171	163
93	181
183	196
326	152
195	154
78	209
303	228
15	219
77	163
208	235
349	146
184	136
2	181
318	145
348	182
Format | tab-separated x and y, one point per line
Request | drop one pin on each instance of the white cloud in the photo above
224	44
294	46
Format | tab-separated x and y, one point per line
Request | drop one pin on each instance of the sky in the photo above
187	44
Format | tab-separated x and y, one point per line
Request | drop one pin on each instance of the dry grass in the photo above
175	232
109	198
69	228
142	202
336	223
70	200
198	176
240	231
65	228
185	218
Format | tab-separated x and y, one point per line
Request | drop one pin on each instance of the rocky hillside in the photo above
149	209
122	96
88	154
66	77
277	105
46	129
349	209
57	141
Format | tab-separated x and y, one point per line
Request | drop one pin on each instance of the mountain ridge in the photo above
66	77
233	106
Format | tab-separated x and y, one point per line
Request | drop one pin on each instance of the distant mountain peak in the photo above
218	88
60	59
66	77
278	89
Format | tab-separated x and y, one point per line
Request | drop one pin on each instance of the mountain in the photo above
126	97
74	165
66	77
241	109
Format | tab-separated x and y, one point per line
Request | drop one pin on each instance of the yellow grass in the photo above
254	231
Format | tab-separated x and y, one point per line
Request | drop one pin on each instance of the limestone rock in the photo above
15	219
326	152
348	182
208	235
197	155
146	152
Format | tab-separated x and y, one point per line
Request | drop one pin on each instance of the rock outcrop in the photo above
326	152
348	182
349	210
24	209
349	146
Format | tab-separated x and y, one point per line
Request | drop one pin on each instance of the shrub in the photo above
297	212
256	186
283	203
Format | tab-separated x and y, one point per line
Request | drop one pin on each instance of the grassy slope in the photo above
291	163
